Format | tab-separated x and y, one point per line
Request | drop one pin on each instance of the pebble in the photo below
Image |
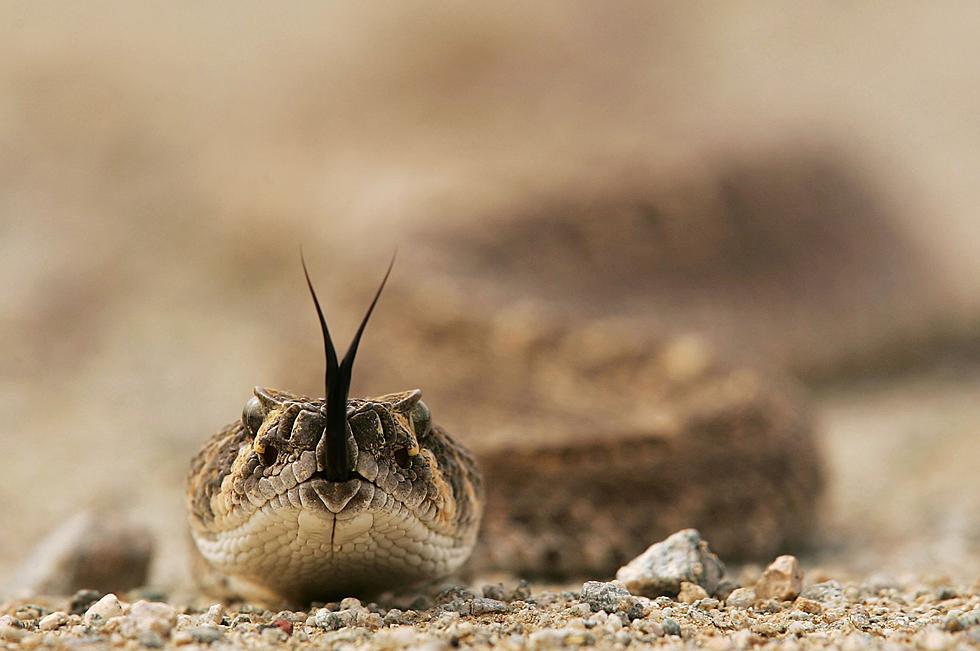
660	570
214	615
103	609
201	634
671	627
82	599
782	580
284	625
741	598
50	622
151	616
691	592
808	605
274	635
151	639
603	596
829	594
10	629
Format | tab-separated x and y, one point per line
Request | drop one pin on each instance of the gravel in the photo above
846	614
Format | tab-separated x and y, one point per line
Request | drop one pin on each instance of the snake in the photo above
305	499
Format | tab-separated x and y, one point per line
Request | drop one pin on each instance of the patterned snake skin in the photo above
271	527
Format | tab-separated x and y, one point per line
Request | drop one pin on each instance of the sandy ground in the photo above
160	166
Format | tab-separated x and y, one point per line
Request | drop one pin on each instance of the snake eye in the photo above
421	419
252	416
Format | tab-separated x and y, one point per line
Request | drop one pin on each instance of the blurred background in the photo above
795	184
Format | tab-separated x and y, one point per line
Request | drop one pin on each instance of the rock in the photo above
52	621
603	596
829	594
203	634
486	606
82	599
274	635
214	615
808	605
691	592
89	550
103	609
662	568
741	598
500	593
12	633
152	616
151	640
782	580
284	625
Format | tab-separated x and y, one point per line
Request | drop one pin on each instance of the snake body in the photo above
267	521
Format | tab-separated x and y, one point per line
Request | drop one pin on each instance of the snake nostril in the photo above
269	455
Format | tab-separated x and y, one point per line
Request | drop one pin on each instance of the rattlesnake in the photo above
288	506
558	347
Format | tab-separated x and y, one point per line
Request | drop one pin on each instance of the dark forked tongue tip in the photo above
337	385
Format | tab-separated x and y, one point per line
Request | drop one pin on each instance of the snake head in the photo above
307	498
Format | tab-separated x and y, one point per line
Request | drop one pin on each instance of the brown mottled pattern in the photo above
211	465
268	526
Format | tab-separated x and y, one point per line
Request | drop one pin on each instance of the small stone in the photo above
859	620
106	607
691	592
485	606
799	628
284	625
82	599
741	598
273	635
10	629
333	621
152	616
452	593
671	627
400	636
659	570
203	634
214	615
393	617
782	580
57	619
151	640
603	596
946	592
935	640
829	594
808	605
